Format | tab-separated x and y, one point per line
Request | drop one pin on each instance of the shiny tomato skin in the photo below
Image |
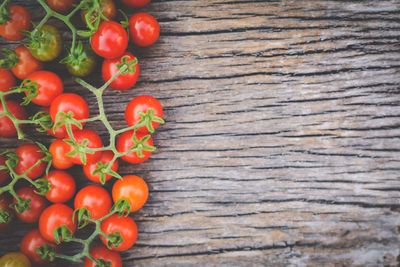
132	188
58	148
37	205
63	186
101	252
108	9
110	40
53	217
3	174
122	82
7	80
135	3
144	29
61	6
49	87
28	155
20	20
106	157
126	226
142	103
32	240
5	205
94	142
70	102
125	142
14	259
7	128
27	63
96	199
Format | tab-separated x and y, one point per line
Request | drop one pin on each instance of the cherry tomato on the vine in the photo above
101	252
7	80
135	3
54	216
106	157
59	133
127	228
27	63
58	148
83	63
3	173
50	45
29	155
143	29
20	19
14	259
132	188
142	103
37	205
96	199
125	142
5	207
123	81
94	142
108	10
32	240
7	127
110	40
49	87
63	186
62	6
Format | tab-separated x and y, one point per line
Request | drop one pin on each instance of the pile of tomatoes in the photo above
27	166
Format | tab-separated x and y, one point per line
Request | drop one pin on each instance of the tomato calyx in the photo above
30	88
122	207
66	119
140	145
42	186
94	15
12	159
5	216
103	169
22	205
147	119
5	15
82	215
114	240
102	263
11	59
62	233
130	65
46	252
79	148
43	119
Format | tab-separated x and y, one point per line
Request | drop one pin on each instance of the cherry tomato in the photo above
122	82
142	103
82	64
110	40
62	186
7	80
49	87
96	199
32	240
143	29
5	206
58	148
135	3
27	63
53	217
127	228
37	205
50	44
28	155
14	259
94	142
70	102
61	6
7	127
125	142
60	132
20	20
101	252
3	174
108	10
132	188
106	157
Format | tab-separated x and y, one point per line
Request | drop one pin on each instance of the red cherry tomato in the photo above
58	149
7	127
53	217
142	103
7	80
62	6
106	157
125	226
122	82
49	87
62	186
32	240
27	63
143	29
70	102
3	174
94	142
96	199
20	20
132	188
125	142
110	40
101	252
5	206
28	155
37	205
135	3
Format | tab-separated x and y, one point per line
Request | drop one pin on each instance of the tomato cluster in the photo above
36	184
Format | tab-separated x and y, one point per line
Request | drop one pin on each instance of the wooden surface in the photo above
281	143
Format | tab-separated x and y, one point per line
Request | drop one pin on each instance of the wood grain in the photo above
281	142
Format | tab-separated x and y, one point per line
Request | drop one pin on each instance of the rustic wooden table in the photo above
281	143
